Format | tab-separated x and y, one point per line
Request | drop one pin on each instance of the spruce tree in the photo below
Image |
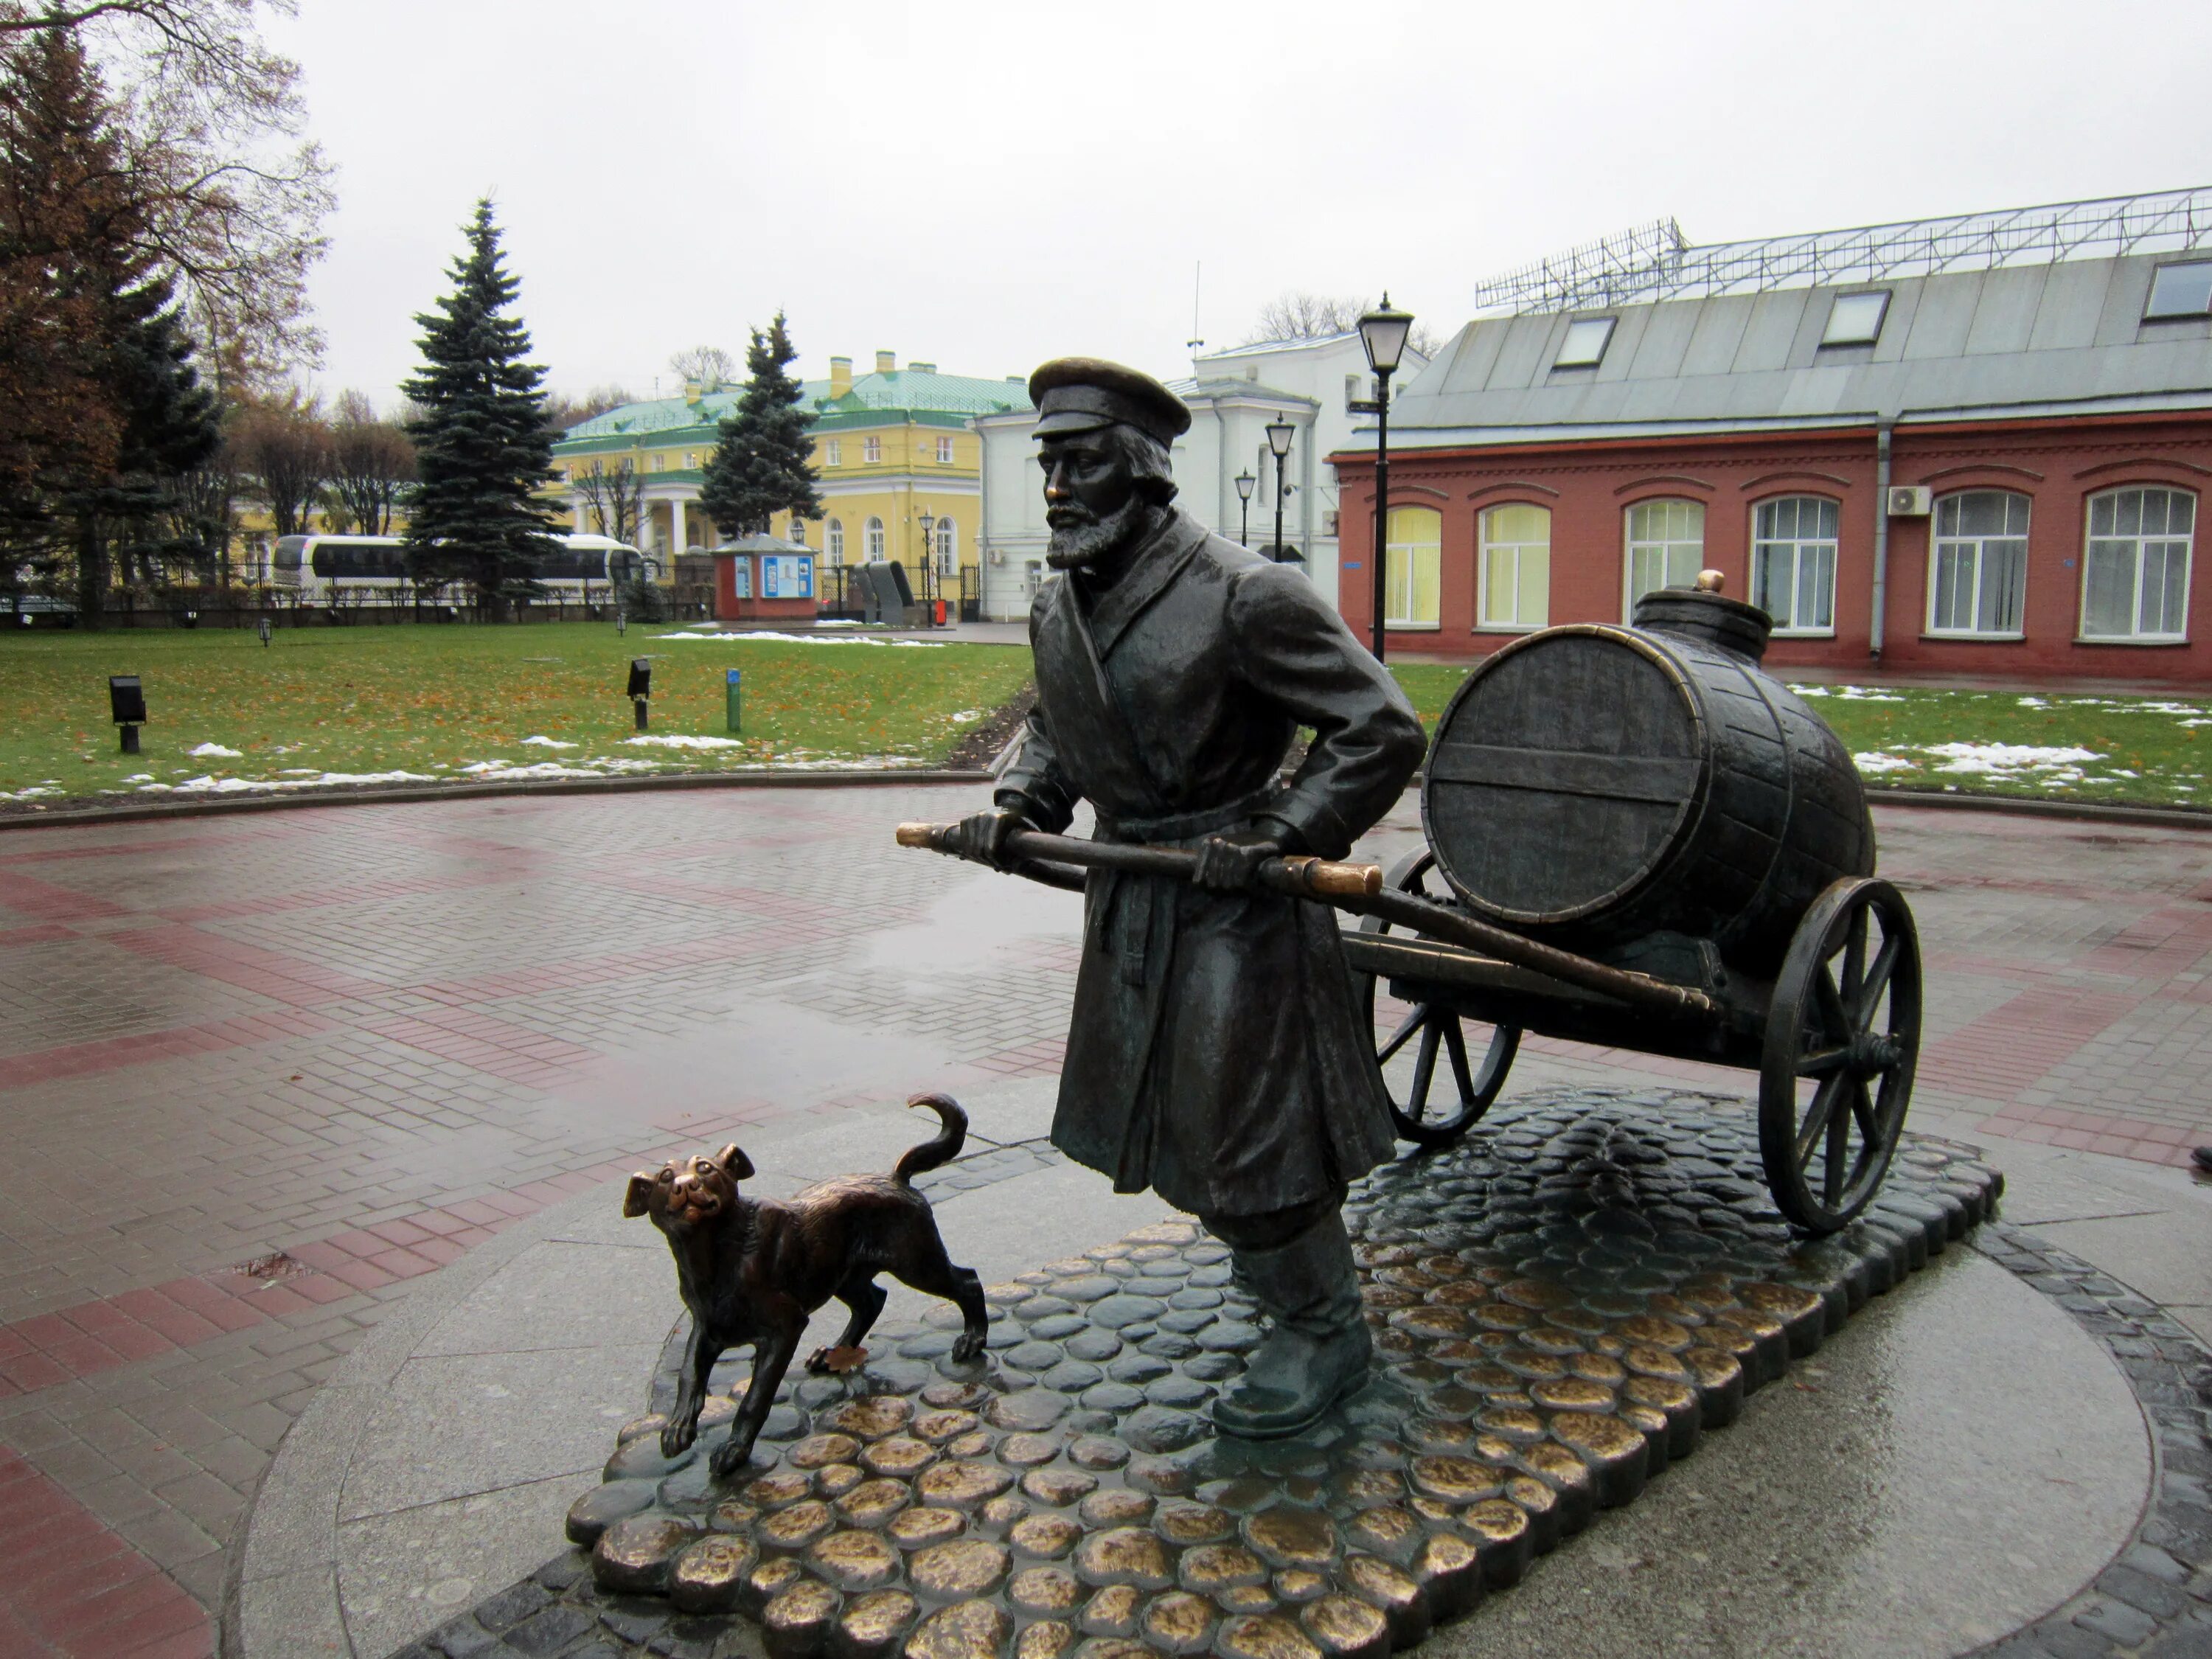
761	462
99	471
483	445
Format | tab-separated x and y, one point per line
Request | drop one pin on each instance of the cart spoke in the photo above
1877	979
1855	941
1455	1046
1862	1110
1840	1129
1413	1023
1822	1061
1831	1004
1816	1118
1425	1068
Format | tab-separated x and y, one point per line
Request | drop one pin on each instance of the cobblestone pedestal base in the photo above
1561	1305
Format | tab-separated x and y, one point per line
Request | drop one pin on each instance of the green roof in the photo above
900	391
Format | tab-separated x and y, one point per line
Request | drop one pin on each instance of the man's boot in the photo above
1318	1349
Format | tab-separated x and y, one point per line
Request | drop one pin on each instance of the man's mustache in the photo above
1059	516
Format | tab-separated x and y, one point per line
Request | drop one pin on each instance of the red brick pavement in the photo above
414	1023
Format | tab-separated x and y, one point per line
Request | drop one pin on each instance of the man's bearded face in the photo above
1092	502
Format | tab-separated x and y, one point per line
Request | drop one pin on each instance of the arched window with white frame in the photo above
1516	566
948	548
836	541
1666	546
1978	564
875	540
2135	569
1793	563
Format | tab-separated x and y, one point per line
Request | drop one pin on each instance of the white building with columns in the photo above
1233	396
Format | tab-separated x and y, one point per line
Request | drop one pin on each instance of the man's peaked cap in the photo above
1081	394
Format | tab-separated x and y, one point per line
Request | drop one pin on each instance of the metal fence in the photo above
1656	262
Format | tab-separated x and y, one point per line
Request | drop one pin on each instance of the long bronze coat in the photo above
1214	1055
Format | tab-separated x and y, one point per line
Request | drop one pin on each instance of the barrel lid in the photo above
1561	773
1703	613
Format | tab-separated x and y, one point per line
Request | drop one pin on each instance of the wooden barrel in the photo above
1597	786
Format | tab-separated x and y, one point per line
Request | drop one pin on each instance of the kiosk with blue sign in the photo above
763	579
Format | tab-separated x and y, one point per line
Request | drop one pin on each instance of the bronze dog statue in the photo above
751	1270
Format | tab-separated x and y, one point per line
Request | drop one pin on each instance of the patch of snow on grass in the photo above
675	740
2033	702
545	743
2002	759
31	793
1874	760
213	751
806	639
1862	694
208	785
966	715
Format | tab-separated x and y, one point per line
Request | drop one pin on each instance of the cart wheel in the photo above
1420	1120
1842	1037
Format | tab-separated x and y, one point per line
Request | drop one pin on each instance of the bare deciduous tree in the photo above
1298	315
372	462
283	444
615	497
563	411
231	194
710	366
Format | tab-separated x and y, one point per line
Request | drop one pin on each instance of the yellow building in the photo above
893	449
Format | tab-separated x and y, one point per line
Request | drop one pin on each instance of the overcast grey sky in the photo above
985	185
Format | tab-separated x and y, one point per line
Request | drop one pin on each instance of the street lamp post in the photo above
1383	332
1280	433
929	583
1244	482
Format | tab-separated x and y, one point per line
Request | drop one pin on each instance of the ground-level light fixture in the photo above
640	686
127	705
1383	332
1245	482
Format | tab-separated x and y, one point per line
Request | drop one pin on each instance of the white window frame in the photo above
2171	314
1843	307
2138	545
875	539
1976	547
871	449
1586	337
836	541
1819	551
1485	546
833	451
1412	624
948	547
1630	546
945	451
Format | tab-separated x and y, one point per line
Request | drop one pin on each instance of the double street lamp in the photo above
1244	482
1280	433
1383	332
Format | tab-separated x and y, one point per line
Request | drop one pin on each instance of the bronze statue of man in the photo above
1215	1055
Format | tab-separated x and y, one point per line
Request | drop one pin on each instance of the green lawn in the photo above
2144	751
323	705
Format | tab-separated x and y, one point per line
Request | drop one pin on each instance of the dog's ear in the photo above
734	1163
636	1194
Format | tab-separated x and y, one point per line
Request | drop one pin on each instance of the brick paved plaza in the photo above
338	1047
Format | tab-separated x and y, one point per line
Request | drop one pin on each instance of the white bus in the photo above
373	569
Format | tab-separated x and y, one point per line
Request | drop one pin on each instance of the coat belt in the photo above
1130	913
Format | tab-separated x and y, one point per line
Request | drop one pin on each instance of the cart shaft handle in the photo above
1299	877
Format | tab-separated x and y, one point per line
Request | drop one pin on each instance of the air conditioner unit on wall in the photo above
1911	502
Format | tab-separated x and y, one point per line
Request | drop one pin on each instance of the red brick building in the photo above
1931	446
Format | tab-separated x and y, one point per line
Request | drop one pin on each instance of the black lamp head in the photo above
1280	433
1244	483
641	677
126	700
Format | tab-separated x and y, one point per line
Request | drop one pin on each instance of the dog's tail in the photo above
916	1160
